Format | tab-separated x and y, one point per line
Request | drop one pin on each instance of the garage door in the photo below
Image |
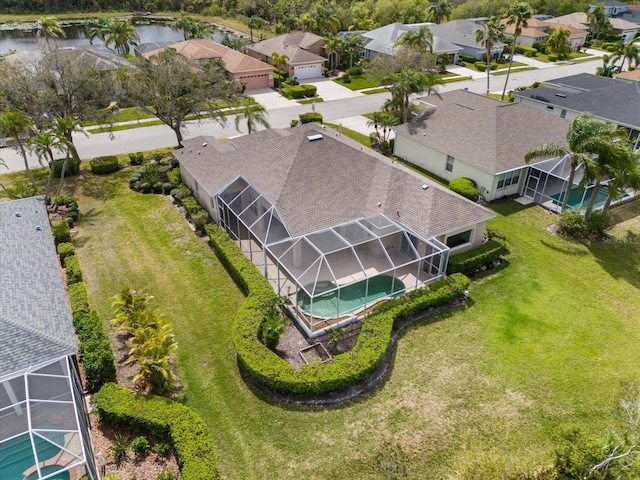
307	71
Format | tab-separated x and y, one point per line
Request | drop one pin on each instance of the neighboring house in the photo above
612	100
463	34
535	32
626	29
580	21
324	217
247	71
576	20
43	422
382	41
612	8
577	36
303	50
468	135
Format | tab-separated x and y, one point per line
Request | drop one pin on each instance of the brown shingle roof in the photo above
322	183
234	61
293	45
484	132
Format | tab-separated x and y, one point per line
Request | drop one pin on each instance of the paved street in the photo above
346	107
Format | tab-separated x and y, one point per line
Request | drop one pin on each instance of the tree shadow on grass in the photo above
102	187
577	248
509	207
620	258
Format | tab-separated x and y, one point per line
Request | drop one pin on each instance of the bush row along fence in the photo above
316	378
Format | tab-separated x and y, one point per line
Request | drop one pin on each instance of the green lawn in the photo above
543	343
358	83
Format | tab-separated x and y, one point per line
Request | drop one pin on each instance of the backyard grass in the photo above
542	343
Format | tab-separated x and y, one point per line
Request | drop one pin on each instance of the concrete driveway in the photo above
329	90
270	99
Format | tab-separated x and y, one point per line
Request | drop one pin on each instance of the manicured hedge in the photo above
72	168
61	232
309	90
297	91
65	249
163	418
465	187
311	117
198	215
78	298
314	378
72	267
104	165
476	258
467	58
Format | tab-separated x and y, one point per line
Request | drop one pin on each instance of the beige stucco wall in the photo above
435	161
476	238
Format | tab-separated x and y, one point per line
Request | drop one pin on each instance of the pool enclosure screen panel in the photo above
546	181
332	266
41	414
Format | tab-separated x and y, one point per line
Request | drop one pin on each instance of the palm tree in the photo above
439	10
254	114
351	46
254	22
280	60
127	308
49	27
519	13
629	52
606	70
599	21
152	346
2	185
326	18
558	42
183	23
43	143
490	33
64	128
98	28
201	30
408	82
622	176
17	124
332	45
420	39
122	34
585	137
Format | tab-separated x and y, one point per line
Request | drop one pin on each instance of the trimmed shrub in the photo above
526	51
104	165
354	71
198	215
174	177
182	191
598	223
72	267
65	249
311	117
61	232
480	66
294	123
571	223
553	57
493	65
163	418
136	158
295	92
73	167
486	253
465	187
309	90
466	58
78	298
314	378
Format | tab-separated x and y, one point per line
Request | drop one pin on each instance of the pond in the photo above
20	40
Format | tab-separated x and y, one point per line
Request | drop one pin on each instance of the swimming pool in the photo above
352	297
575	198
16	456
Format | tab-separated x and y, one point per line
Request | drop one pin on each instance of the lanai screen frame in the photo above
24	392
248	215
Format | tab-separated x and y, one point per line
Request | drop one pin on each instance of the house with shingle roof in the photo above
580	21
464	134
335	226
303	49
42	410
382	41
247	71
463	34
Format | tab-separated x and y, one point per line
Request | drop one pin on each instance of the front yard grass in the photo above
542	343
359	82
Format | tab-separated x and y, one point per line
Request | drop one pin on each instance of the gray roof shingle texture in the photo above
35	318
322	183
483	132
608	98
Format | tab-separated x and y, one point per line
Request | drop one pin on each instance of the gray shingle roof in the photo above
460	32
607	98
483	132
383	39
322	183
35	318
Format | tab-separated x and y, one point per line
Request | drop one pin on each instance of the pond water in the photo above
21	40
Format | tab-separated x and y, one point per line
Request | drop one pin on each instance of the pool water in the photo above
16	456
575	198
352	297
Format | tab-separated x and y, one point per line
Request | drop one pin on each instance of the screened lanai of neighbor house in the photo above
44	431
336	228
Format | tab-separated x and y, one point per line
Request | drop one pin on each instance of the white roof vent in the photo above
561	95
313	138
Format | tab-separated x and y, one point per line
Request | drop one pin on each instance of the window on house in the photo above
449	166
549	107
507	179
459	239
563	113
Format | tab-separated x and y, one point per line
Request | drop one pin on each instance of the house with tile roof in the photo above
44	429
250	72
335	226
580	21
612	100
463	34
534	32
303	49
382	41
464	134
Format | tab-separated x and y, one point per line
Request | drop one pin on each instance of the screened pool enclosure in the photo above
43	425
333	275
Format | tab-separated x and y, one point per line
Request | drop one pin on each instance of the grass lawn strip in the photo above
546	342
